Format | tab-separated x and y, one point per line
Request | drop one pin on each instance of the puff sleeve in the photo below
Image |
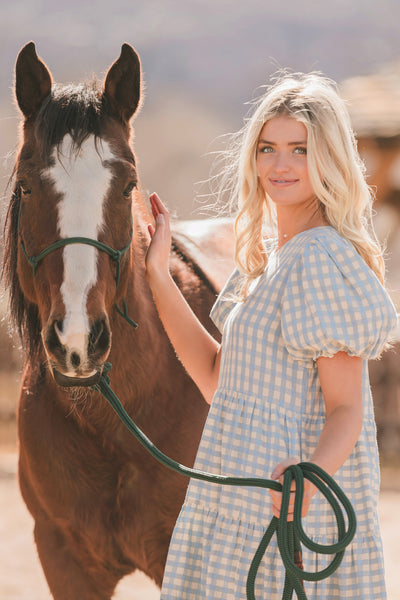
225	301
334	302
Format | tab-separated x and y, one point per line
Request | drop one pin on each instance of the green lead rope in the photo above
290	534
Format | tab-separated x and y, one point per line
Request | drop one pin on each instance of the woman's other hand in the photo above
309	490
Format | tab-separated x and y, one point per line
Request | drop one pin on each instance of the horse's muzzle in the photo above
76	360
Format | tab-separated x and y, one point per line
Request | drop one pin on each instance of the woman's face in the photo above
282	161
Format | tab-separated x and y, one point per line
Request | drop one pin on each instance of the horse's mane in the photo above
79	111
24	314
183	253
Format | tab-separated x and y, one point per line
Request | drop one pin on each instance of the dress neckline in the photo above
279	251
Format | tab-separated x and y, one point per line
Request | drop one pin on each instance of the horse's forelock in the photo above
70	109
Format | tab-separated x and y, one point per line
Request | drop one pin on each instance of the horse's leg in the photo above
68	578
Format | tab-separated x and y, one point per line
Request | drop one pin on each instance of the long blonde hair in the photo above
335	169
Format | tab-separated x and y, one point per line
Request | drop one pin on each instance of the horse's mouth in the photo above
67	381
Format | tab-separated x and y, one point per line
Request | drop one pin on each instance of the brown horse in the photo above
102	506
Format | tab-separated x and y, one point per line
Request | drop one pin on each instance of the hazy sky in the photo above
202	60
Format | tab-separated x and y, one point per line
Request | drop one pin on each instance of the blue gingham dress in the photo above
316	297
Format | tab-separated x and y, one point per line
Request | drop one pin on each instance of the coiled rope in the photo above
290	535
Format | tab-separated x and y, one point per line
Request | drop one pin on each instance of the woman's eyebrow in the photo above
301	143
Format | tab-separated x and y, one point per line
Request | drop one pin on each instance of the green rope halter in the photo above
116	256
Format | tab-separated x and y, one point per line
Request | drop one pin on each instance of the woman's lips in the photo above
283	182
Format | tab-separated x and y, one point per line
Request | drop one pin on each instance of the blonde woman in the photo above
300	317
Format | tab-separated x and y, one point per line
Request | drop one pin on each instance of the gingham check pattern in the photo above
316	297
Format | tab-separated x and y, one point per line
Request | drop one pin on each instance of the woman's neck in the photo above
293	220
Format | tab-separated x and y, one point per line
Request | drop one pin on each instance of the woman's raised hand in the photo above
157	257
198	351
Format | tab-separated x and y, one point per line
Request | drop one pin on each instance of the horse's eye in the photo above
129	188
26	191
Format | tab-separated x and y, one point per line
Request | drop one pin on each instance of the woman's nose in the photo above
281	162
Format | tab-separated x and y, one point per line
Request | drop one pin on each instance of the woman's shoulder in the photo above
327	239
325	248
324	238
333	300
329	267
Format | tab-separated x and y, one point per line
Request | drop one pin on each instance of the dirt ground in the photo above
21	577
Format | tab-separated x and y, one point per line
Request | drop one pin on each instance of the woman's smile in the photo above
283	182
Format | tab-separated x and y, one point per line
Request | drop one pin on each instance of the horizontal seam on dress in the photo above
220	513
363	531
283	410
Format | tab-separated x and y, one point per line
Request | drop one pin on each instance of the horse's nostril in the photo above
53	338
95	333
99	337
75	359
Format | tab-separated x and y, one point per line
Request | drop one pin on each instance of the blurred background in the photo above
203	61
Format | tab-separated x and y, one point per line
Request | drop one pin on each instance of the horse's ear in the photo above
122	84
32	80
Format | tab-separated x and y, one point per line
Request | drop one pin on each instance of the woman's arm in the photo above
341	384
198	351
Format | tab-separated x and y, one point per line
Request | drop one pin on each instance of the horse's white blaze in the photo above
82	181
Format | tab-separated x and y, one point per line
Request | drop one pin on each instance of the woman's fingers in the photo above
276	510
277	501
157	207
157	255
160	214
277	474
281	468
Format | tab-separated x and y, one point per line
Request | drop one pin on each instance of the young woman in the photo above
300	317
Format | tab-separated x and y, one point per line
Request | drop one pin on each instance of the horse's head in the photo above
74	178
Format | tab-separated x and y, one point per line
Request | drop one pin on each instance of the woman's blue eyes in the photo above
300	150
266	149
297	150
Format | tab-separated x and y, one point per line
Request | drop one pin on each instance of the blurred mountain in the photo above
202	60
